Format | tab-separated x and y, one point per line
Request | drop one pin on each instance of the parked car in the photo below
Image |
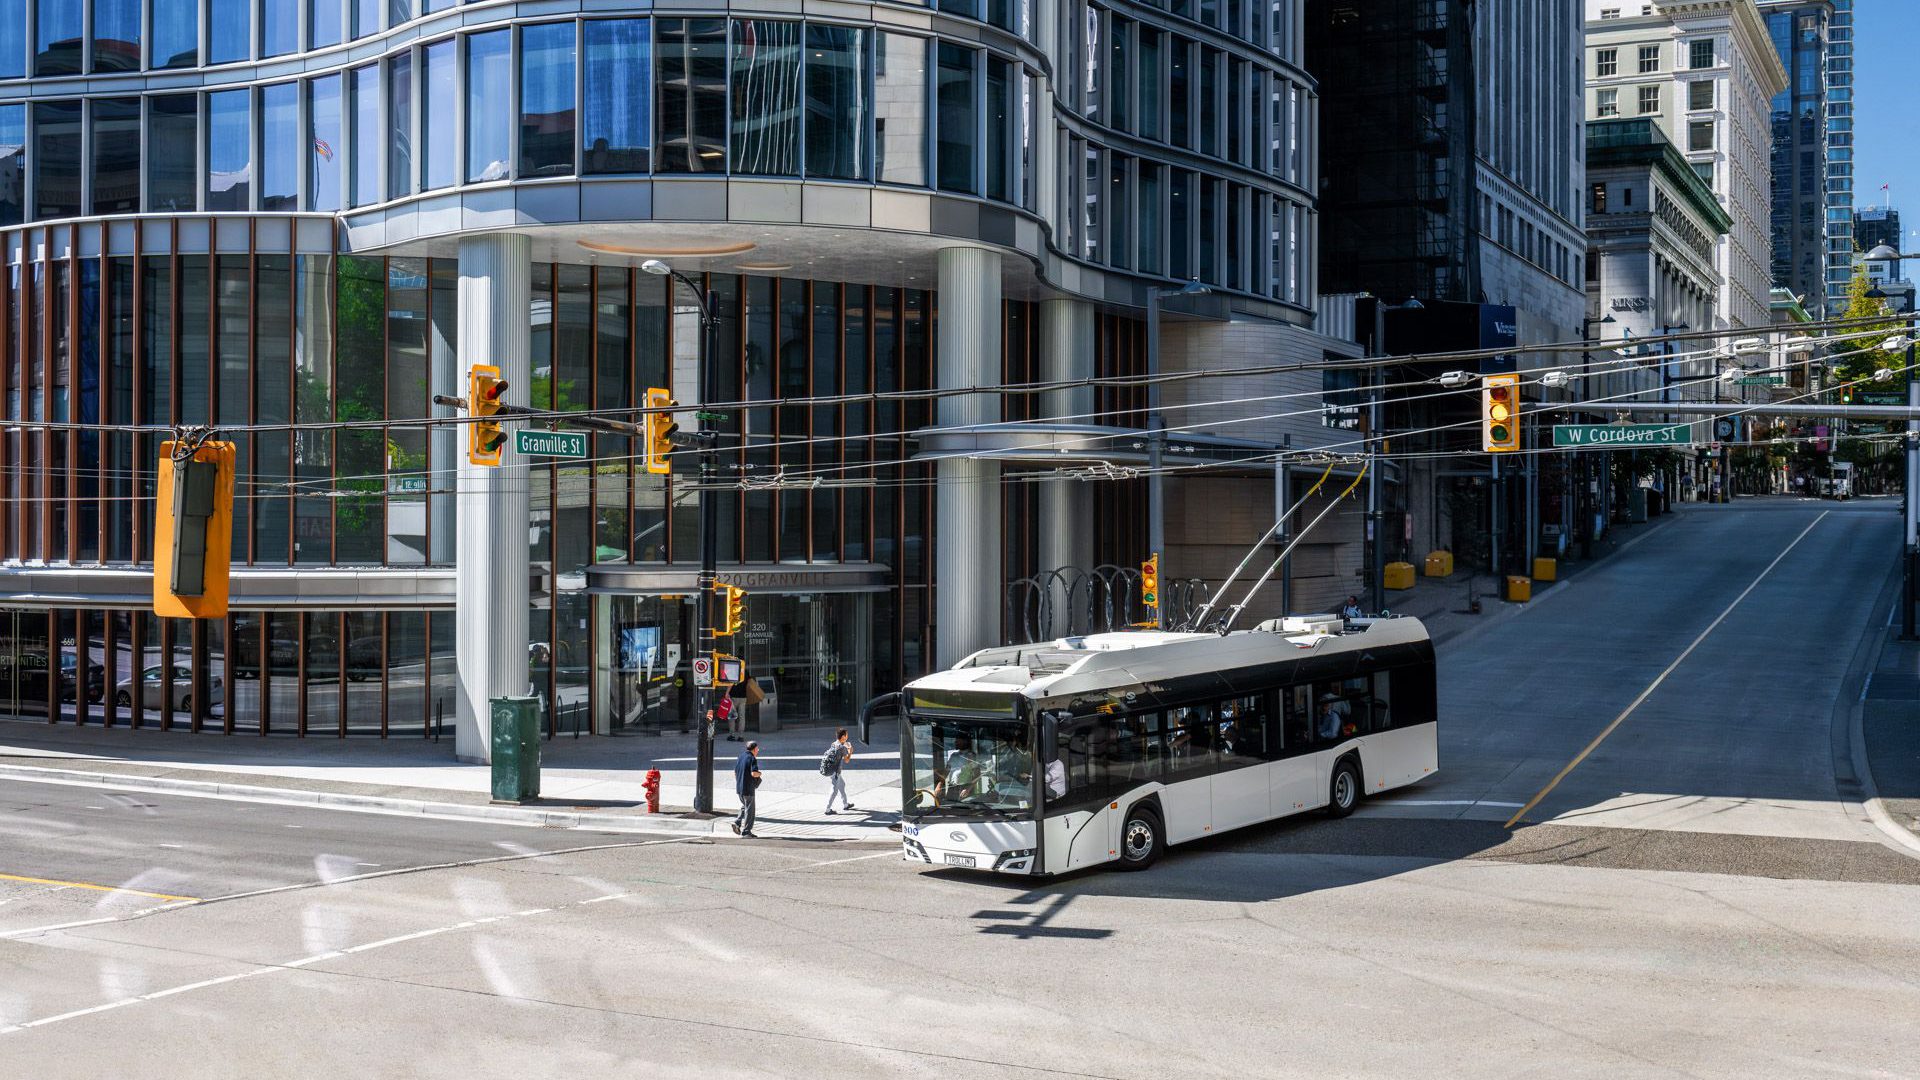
69	679
150	691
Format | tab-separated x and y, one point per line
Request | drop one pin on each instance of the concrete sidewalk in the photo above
587	783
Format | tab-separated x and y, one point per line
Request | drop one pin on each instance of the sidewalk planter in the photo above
1546	569
1519	589
1439	564
1399	575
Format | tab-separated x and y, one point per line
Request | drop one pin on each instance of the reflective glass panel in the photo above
766	97
56	37
440	91
399	11
366	17
324	19
400	126
116	35
280	146
229	27
229	157
1001	127
116	155
279	26
546	100
691	65
326	144
489	110
959	113
56	159
900	109
13	163
175	33
13	60
619	103
837	106
172	148
368	144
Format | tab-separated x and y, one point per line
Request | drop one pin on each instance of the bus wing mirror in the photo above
1049	736
885	703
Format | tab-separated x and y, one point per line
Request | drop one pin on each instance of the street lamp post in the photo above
1157	425
1909	542
1584	502
703	635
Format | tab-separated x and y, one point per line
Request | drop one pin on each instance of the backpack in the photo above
830	761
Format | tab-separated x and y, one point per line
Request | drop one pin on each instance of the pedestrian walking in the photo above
746	781
833	765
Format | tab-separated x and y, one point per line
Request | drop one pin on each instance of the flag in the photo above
320	147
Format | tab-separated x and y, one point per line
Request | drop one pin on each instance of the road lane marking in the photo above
1660	678
99	888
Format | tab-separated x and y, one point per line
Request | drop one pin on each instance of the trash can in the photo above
1519	589
769	707
1546	569
1440	564
516	749
1398	575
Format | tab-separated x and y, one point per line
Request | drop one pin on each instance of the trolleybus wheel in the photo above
1343	793
1141	839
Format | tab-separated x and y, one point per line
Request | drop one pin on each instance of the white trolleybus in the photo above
1045	758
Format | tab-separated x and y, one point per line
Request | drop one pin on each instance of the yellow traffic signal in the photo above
1500	413
1150	582
660	429
485	388
733	610
193	532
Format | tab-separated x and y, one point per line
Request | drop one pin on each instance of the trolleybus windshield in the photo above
970	766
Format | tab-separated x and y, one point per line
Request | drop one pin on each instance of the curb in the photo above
372	804
1869	793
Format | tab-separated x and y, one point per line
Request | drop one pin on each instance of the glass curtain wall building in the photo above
251	214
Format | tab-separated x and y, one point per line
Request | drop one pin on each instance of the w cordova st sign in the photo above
1630	436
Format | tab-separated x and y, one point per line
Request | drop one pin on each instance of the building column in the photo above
1066	506
490	635
967	554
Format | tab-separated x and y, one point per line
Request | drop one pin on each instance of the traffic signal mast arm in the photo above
585	420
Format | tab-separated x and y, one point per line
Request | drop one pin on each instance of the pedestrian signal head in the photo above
660	429
1500	413
486	393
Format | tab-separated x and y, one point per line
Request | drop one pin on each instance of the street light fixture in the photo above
1156	424
703	635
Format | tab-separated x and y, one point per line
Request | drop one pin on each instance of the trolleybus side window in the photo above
1413	695
1243	723
1383	716
1192	735
1340	709
1296	704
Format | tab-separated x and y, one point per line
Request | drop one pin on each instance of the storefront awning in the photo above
637	579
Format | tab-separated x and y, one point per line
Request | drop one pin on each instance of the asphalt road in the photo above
1695	898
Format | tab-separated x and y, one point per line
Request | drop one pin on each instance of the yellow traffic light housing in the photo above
1500	413
660	429
733	610
1150	582
193	531
485	437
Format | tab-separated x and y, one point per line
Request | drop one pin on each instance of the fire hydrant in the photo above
652	785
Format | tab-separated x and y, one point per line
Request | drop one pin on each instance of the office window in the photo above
1210	111
1609	103
57	39
1606	62
324	19
1147	206
1598	202
1150	99
1649	99
173	136
229	31
691	72
1700	54
439	96
1610	13
490	105
765	81
1002	127
400	126
279	26
116	35
836	129
229	150
324	120
1649	59
13	40
1119	71
546	100
366	17
116	155
13	163
1179	93
957	148
1704	170
617	115
175	33
280	146
369	138
1700	94
1700	135
900	109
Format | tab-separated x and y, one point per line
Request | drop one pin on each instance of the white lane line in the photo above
77	1013
5	934
1662	677
604	899
888	854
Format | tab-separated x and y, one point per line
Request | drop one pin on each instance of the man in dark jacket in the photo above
746	780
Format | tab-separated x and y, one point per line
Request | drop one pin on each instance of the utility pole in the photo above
1157	428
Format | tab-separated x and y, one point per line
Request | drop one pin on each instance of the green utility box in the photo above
516	749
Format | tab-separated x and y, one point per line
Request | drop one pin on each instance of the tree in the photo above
1867	356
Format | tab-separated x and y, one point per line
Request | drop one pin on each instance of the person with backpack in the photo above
833	765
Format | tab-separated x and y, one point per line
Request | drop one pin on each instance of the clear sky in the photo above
1886	110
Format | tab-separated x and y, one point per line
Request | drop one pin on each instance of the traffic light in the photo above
1846	394
1150	582
485	388
1500	413
733	610
193	531
660	429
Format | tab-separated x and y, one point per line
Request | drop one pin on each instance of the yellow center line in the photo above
96	888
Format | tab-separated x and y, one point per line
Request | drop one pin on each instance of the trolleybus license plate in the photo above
960	860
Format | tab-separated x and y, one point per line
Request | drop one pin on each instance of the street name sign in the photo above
1881	397
1627	435
1763	380
554	444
